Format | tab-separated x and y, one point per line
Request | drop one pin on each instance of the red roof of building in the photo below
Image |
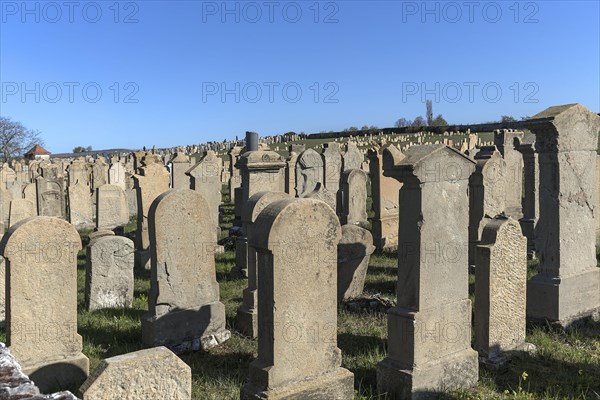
37	150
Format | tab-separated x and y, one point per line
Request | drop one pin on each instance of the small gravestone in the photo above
309	172
21	209
298	358
180	165
354	253
354	198
353	158
109	272
111	207
151	374
117	175
184	311
500	289
41	265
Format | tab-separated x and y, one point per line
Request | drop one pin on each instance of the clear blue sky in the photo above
162	66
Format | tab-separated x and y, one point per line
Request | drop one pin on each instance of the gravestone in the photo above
321	193
81	214
152	181
21	209
41	317
500	289
235	179
111	207
385	202
50	197
567	286
487	192
296	242
353	158
117	175
290	174
247	314
429	331
309	172
184	311
354	253
99	173
5	200
109	272
332	163
508	141
354	198
147	374
531	181
30	193
204	177
181	164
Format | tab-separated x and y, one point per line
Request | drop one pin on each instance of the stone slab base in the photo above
336	385
55	375
499	361
565	301
186	330
460	370
247	322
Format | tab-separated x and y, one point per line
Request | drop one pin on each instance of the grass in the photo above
566	366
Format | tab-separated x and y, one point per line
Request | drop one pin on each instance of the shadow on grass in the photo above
380	286
357	347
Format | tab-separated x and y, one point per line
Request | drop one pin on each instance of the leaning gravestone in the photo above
151	374
109	272
354	253
500	289
298	358
247	314
432	288
184	311
41	265
111	207
567	286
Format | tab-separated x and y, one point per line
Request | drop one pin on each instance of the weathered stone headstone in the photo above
296	242
152	181
81	213
235	179
99	173
290	174
111	207
50	197
30	193
487	192
500	289
508	141
429	331
181	164
109	273
309	172
247	314
353	158
385	202
148	374
567	286
354	253
332	164
41	265
354	198
21	209
184	311
117	175
531	182
204	177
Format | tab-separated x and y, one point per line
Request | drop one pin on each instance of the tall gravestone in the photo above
41	280
290	173
184	311
109	272
500	289
384	194
309	172
152	180
354	198
181	164
81	213
508	141
260	171
567	286
332	169
111	207
296	242
531	181
429	331
487	192
50	197
247	314
205	178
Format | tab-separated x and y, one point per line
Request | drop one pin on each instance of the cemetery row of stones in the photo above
301	235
